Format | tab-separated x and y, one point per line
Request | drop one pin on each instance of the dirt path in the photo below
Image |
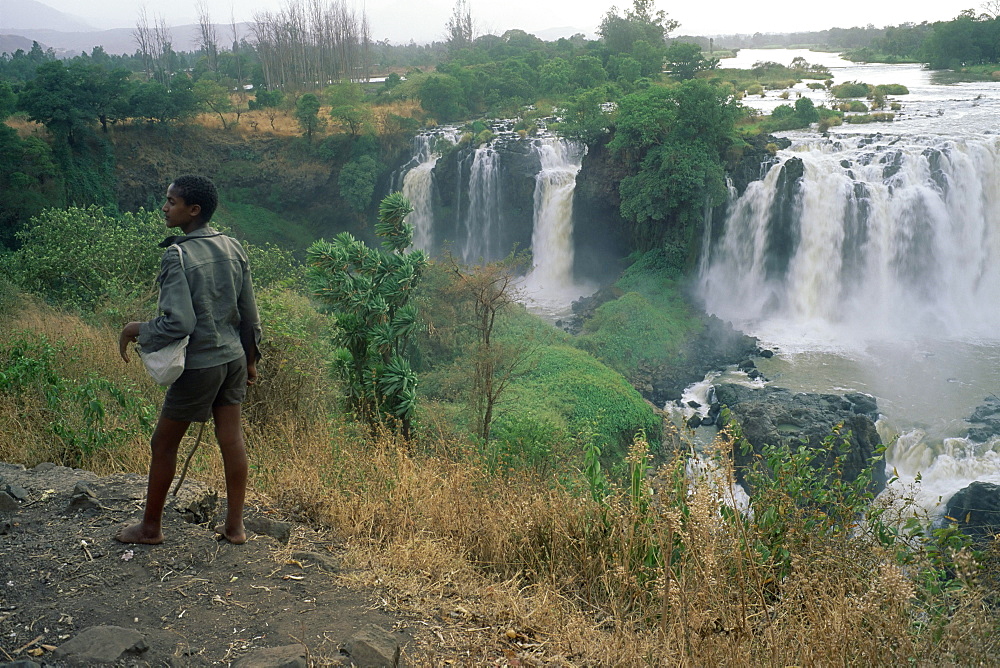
194	600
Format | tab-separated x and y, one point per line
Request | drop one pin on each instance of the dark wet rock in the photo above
373	646
746	365
693	404
718	346
584	308
776	416
286	656
695	421
765	353
976	510
101	644
986	419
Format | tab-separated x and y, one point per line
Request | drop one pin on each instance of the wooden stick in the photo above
187	462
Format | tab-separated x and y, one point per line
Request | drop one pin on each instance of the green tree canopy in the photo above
307	114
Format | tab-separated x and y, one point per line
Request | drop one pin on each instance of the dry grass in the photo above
282	123
517	570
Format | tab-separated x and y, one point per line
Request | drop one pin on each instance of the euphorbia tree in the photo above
369	291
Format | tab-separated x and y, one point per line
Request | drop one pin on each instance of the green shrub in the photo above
854	105
568	389
879	117
850	89
83	257
893	89
84	415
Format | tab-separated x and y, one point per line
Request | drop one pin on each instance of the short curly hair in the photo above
198	190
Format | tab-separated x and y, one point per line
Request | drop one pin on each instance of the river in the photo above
889	281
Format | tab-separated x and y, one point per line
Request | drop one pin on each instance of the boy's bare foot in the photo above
138	533
236	536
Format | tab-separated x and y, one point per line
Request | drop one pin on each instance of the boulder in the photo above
976	510
776	416
286	656
373	647
986	419
101	644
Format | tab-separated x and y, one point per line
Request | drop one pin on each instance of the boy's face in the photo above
179	213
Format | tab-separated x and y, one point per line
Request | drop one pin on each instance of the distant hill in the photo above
118	40
16	15
11	43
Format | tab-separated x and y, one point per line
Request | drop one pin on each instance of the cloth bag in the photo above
166	364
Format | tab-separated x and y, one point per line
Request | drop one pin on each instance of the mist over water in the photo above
879	270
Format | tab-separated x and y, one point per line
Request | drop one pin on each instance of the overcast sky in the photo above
424	20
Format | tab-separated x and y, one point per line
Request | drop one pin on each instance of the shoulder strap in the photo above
180	253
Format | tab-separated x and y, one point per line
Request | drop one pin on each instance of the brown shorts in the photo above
192	397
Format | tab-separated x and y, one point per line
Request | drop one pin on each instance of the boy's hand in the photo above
251	372
130	333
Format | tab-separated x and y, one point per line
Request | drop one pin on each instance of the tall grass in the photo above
514	568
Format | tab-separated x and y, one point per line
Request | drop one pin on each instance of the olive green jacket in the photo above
208	295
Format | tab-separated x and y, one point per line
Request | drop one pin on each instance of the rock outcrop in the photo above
976	510
776	416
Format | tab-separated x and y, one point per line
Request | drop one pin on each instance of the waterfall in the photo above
418	188
416	181
873	241
552	235
479	229
873	264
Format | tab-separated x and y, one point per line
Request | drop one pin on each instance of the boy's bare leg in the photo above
229	433
163	462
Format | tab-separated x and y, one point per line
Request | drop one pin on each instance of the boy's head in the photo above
198	190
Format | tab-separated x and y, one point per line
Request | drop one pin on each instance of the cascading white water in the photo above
479	227
879	271
878	242
415	180
552	235
418	188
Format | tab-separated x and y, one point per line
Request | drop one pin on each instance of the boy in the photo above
205	293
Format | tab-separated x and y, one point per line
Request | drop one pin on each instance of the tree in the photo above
554	77
585	118
347	106
369	291
491	289
641	22
307	114
588	72
678	137
213	96
8	100
441	95
460	30
357	181
208	38
56	98
685	59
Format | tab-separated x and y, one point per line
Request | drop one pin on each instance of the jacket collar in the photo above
203	231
